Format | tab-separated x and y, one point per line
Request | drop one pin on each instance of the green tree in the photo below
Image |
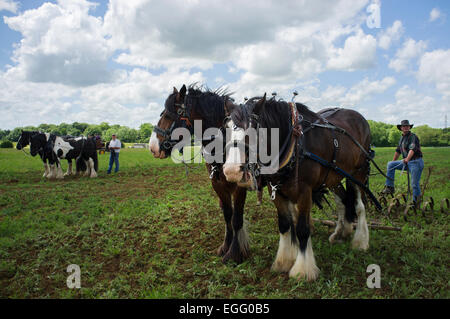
92	130
81	127
14	135
145	130
4	134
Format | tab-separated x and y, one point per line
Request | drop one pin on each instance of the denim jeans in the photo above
415	168
113	158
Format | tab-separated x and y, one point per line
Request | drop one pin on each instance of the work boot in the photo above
388	190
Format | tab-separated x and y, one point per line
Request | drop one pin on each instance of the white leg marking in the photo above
286	254
46	170
59	172
88	169
93	172
343	227
305	264
69	170
243	239
361	237
52	172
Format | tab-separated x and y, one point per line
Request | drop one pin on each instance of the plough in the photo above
403	202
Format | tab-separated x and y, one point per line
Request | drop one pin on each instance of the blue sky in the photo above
116	61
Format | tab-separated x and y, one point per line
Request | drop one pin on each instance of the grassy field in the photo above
151	232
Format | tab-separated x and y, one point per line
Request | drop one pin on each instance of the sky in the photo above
117	61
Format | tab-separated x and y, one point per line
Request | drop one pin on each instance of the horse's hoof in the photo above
282	267
236	257
222	250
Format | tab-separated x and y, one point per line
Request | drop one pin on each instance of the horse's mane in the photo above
208	103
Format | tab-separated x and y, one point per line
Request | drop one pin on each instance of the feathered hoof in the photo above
236	255
335	239
309	274
360	245
282	266
223	249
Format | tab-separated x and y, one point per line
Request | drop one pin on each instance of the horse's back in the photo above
351	121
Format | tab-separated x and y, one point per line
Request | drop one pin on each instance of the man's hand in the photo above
405	160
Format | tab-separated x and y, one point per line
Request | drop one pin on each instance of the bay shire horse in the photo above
307	142
182	108
82	149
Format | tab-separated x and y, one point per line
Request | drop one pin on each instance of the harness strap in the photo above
341	172
296	131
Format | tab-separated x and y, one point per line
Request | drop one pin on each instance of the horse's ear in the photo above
175	91
183	91
259	105
229	107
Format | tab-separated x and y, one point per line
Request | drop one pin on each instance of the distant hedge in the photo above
6	144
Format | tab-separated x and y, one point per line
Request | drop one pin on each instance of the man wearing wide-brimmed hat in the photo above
409	148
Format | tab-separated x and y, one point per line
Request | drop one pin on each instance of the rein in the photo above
22	147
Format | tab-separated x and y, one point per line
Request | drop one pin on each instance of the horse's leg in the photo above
227	209
52	171
361	237
239	249
69	168
88	167
305	263
343	225
288	245
59	171
46	168
93	172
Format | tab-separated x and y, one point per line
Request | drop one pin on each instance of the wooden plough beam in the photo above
331	223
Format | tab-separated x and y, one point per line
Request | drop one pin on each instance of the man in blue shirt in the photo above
409	148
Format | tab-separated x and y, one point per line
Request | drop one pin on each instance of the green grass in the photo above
151	232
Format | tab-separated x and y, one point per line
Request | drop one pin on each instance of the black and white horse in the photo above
47	157
41	143
54	148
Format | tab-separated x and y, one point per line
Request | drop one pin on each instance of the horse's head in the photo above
98	142
173	116
241	149
37	143
24	139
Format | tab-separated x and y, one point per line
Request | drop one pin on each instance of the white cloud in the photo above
61	43
435	14
434	67
9	5
359	52
417	107
409	51
392	34
133	98
64	66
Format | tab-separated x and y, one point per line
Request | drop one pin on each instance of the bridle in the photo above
182	115
287	150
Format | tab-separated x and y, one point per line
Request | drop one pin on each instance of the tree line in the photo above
389	135
382	134
105	130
